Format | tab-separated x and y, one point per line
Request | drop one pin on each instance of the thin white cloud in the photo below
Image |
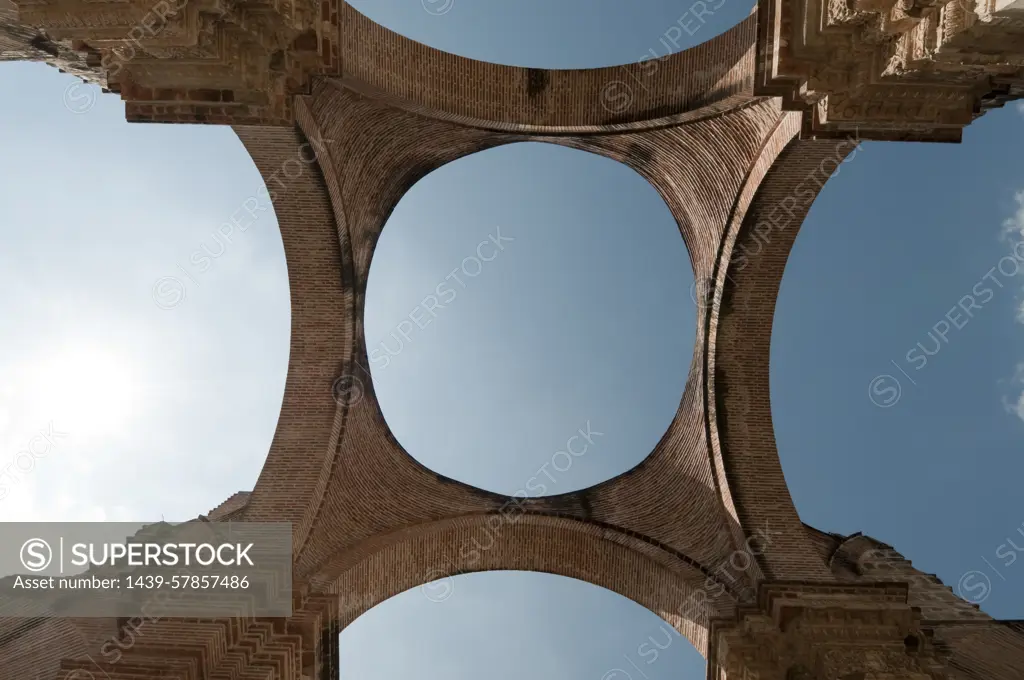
1016	405
1014	225
1013	229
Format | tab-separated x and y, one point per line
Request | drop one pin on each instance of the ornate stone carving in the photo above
19	42
217	61
892	69
825	631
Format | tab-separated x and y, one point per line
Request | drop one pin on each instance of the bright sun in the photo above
84	391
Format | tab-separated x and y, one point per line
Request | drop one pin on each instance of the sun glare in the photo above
84	391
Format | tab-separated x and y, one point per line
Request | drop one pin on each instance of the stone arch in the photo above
676	588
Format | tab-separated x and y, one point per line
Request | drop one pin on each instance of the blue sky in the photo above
584	316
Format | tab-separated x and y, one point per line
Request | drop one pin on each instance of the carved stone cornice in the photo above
194	61
891	69
827	631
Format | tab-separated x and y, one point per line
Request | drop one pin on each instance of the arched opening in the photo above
893	360
511	623
572	34
530	320
146	320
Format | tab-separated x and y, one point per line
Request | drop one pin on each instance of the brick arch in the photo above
314	235
711	483
742	292
334	470
671	585
715	173
714	76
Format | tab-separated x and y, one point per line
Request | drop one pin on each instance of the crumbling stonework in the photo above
738	135
19	42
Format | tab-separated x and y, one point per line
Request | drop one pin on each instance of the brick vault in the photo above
739	134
